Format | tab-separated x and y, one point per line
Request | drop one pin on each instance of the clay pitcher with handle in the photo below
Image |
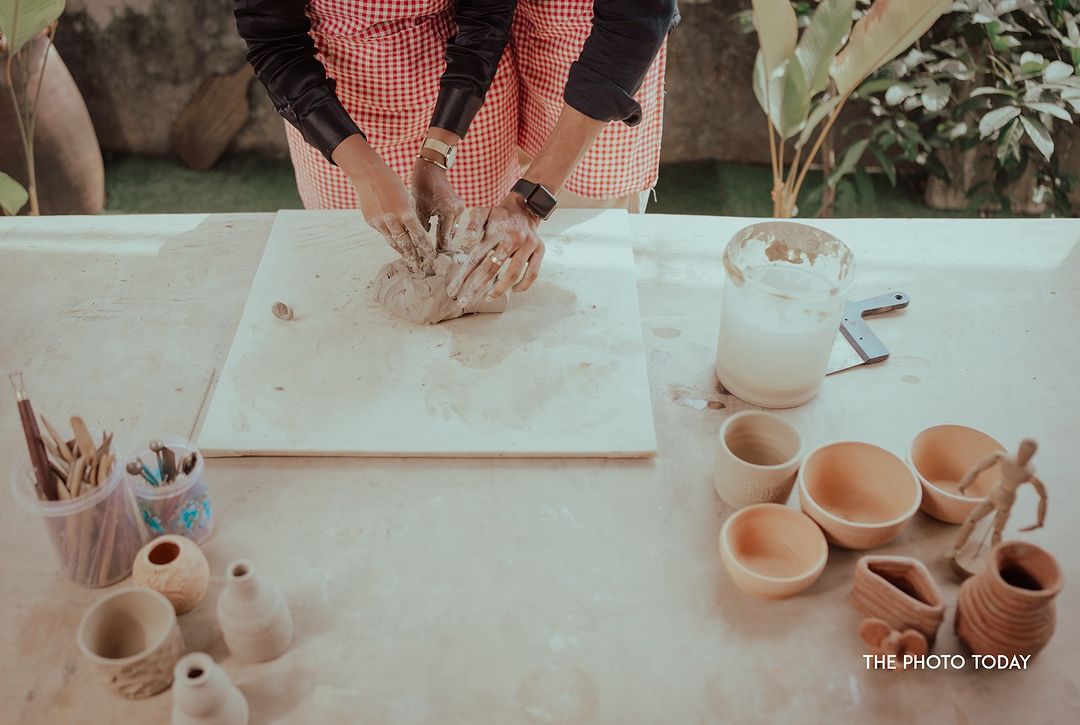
1008	607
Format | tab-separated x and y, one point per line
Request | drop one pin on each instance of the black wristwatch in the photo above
539	201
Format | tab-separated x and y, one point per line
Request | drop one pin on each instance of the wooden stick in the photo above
82	436
61	445
109	531
39	457
75	476
87	529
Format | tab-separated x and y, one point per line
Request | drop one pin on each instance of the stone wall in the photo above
138	62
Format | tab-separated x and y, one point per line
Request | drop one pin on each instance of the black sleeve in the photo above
626	36
472	57
283	56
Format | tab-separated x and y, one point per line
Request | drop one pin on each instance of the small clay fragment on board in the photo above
282	311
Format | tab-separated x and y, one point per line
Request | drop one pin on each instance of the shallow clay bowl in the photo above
861	495
941	456
772	551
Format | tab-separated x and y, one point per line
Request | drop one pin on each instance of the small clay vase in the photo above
204	695
1008	607
176	567
253	614
899	591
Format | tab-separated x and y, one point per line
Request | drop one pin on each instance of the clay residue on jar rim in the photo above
777	249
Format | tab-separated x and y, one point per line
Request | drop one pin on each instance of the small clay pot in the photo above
772	551
204	695
176	567
861	495
899	591
254	616
941	456
1008	607
132	640
757	456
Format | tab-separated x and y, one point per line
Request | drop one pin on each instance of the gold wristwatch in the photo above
443	149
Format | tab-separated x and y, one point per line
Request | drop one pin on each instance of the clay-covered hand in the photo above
507	241
385	204
433	195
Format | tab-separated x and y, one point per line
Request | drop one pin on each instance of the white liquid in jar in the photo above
773	350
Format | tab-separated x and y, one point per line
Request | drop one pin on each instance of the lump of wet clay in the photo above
422	298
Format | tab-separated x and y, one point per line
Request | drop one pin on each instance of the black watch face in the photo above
541	202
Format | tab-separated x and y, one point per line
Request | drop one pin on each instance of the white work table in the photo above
544	591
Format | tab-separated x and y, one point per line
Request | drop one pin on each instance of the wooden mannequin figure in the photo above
1015	471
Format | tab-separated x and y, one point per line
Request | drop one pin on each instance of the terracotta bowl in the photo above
941	456
861	495
772	551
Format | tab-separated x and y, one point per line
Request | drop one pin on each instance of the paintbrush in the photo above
39	458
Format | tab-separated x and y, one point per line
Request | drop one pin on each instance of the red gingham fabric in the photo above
387	58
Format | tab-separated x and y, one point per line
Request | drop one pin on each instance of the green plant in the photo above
803	82
20	22
997	78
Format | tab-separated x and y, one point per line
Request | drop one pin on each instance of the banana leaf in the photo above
21	20
12	195
777	31
887	29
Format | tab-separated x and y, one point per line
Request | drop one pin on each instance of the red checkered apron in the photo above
387	58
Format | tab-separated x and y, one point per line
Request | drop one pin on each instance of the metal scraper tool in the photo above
857	344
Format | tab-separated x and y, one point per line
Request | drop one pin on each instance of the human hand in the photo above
1036	525
385	203
433	195
506	234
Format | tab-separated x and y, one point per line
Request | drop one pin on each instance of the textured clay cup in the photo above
859	494
756	459
176	567
132	640
941	456
772	551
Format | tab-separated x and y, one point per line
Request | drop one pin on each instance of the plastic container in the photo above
96	535
182	508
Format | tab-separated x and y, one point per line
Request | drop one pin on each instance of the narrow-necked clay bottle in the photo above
253	614
204	695
1008	607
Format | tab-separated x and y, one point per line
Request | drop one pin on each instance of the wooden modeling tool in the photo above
39	457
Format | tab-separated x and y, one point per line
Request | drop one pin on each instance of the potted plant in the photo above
47	140
802	83
983	104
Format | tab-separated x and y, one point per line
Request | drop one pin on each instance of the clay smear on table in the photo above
421	297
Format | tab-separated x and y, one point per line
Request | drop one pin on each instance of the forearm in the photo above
571	138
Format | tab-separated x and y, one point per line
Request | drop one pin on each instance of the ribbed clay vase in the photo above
1008	607
253	614
204	695
899	591
176	567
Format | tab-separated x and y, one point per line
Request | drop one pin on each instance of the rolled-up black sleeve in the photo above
472	57
626	36
283	55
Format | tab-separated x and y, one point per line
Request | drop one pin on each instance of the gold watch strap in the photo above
440	147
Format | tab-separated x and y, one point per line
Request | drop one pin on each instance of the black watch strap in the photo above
538	200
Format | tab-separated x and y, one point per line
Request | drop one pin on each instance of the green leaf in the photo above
997	118
21	20
886	30
991	91
851	156
1039	135
1057	71
820	41
819	113
788	103
12	195
865	186
887	164
935	97
1052	109
777	30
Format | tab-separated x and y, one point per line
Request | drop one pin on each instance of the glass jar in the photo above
785	290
